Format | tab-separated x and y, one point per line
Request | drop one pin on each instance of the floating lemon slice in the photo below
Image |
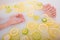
20	7
38	6
32	25
8	9
15	34
2	7
26	38
14	31
36	36
52	25
54	33
49	24
25	31
36	17
29	14
31	1
42	27
49	19
6	37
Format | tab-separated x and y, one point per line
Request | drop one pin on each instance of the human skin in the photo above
49	10
15	19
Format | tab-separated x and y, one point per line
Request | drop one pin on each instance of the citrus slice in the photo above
8	9
36	17
44	20
14	31
25	31
29	14
6	37
36	36
32	25
20	7
54	32
38	6
15	34
2	7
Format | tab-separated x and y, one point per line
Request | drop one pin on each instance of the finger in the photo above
54	15
53	10
46	7
19	15
21	20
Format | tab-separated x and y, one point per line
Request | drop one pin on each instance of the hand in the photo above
49	10
19	18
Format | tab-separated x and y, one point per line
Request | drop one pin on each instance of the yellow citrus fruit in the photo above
35	17
19	7
6	37
30	14
8	9
49	24
2	7
36	36
32	25
14	31
54	32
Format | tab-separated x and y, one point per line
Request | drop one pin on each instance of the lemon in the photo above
15	34
8	9
6	37
36	36
14	31
36	17
32	25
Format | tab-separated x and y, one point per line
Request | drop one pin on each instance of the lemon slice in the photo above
42	27
8	9
49	24
2	7
36	17
48	18
54	33
6	37
38	6
25	31
32	25
15	34
25	38
29	14
20	7
36	36
14	31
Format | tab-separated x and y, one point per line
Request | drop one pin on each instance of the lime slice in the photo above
25	31
44	20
